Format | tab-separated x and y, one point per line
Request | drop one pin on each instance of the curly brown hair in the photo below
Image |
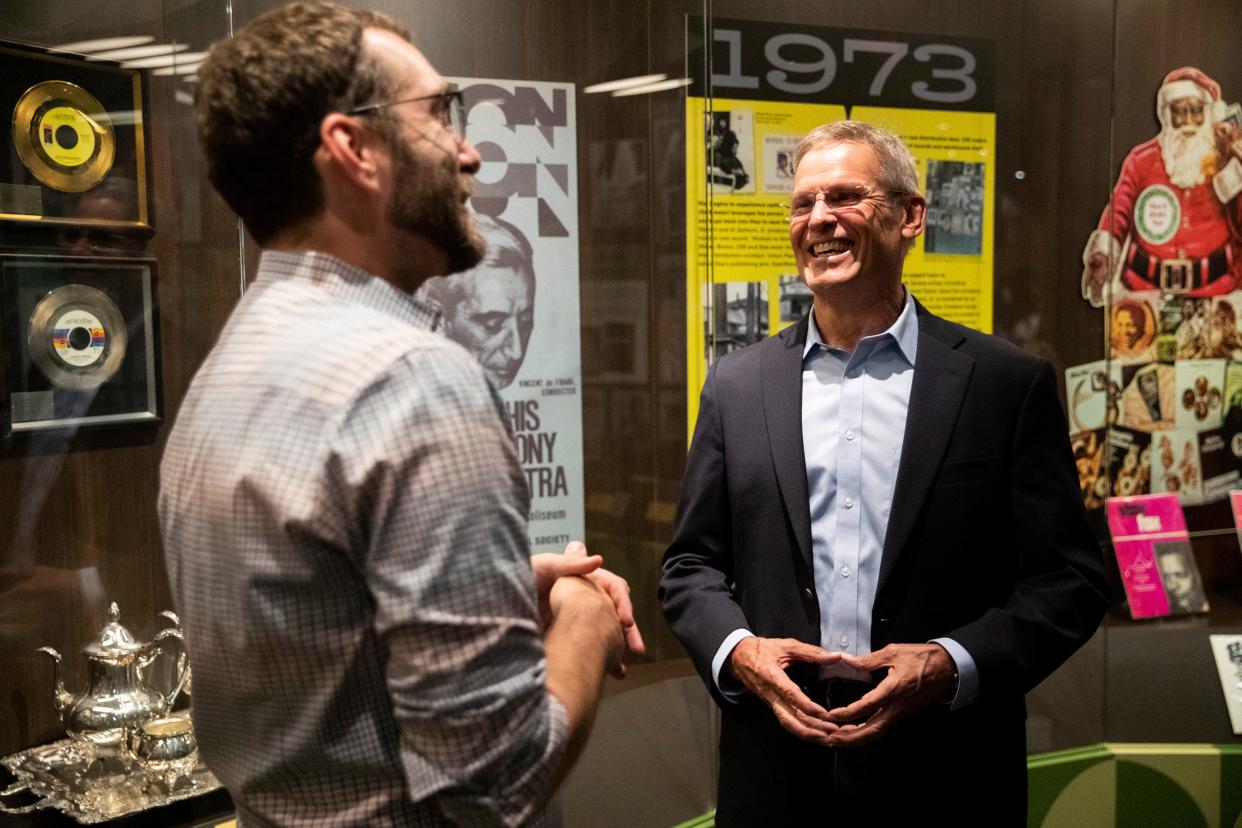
262	95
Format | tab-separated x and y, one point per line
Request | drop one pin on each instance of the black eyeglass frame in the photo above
453	115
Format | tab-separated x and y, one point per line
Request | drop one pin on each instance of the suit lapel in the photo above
781	387
941	375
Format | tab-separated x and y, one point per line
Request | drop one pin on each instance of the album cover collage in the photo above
1163	413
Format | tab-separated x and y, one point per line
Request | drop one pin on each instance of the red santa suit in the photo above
1184	239
1181	238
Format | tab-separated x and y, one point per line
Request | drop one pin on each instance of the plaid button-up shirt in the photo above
344	522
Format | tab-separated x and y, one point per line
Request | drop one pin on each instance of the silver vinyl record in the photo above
77	337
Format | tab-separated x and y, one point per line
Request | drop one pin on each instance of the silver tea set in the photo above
119	714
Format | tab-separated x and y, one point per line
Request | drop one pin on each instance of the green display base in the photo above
1116	785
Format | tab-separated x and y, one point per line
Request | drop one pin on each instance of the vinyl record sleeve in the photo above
1138	525
73	133
110	374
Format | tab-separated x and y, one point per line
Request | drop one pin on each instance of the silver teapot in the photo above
118	697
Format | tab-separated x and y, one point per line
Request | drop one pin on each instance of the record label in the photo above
67	136
64	136
79	338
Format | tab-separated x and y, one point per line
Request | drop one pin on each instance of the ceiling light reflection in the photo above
623	83
101	44
141	51
161	61
662	86
181	69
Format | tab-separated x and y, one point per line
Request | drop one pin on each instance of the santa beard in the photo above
428	203
1184	154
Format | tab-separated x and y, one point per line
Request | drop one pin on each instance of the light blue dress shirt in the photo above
853	424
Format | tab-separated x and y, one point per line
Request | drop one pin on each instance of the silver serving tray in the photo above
93	789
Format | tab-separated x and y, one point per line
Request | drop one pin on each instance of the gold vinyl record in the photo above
63	135
77	337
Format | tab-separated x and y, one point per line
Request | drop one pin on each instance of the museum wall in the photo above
1075	84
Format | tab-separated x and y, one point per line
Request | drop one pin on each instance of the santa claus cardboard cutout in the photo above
1175	217
1166	257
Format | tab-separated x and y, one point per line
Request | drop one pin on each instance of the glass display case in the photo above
651	210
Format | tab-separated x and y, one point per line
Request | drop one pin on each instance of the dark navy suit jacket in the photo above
987	543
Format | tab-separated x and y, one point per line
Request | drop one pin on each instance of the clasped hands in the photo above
918	675
549	567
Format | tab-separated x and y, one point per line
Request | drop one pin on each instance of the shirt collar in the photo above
904	332
348	282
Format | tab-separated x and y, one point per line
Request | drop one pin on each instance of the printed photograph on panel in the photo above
490	310
1180	575
740	310
1175	465
730	152
954	208
1132	329
778	153
1089	450
796	299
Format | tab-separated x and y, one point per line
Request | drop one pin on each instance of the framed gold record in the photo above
63	135
77	337
73	148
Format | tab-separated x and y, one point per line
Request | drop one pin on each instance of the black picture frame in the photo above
33	401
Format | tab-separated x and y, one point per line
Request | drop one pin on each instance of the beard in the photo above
1184	154
428	203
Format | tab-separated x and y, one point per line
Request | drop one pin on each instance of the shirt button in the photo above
807	594
849	434
845	572
848	503
845	641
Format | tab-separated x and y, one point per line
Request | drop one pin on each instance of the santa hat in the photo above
1189	82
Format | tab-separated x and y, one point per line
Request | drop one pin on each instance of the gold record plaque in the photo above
63	135
77	337
73	146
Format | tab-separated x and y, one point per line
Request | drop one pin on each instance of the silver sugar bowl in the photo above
165	748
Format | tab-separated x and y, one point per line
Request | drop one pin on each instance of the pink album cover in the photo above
1235	503
1138	524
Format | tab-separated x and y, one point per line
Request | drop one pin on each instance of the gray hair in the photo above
507	249
897	165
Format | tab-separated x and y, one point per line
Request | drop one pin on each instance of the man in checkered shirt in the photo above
343	514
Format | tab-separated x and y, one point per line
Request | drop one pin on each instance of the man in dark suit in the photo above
880	545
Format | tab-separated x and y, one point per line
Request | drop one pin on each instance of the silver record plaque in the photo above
77	337
79	342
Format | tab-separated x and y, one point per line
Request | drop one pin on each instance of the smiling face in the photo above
859	245
1126	329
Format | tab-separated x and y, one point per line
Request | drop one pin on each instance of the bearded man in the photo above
343	513
1175	215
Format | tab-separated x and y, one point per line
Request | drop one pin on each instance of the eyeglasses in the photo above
837	201
448	108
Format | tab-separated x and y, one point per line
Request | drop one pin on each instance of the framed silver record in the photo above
77	337
80	342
